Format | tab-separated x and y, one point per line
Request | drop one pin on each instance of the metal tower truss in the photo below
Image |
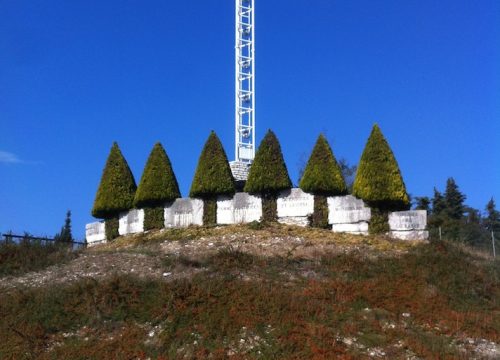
245	81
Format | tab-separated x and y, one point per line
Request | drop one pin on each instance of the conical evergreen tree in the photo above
378	180
158	183
454	200
323	175
213	177
268	175
158	186
117	187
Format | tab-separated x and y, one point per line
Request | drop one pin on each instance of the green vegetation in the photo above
379	182
158	186
19	258
213	177
117	187
268	175
418	304
322	177
65	234
378	179
111	226
450	218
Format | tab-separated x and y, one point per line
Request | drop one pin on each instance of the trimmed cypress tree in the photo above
379	181
116	191
322	177
158	186
213	177
268	175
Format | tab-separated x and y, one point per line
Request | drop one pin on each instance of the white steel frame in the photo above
245	81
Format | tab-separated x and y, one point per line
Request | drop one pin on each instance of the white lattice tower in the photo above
245	82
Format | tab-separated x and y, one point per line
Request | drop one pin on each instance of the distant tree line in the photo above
458	221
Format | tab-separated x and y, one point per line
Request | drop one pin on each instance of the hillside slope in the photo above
258	293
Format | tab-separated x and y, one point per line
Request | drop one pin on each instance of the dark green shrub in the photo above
378	179
213	177
268	175
158	183
117	187
322	177
319	217
158	186
154	218
111	226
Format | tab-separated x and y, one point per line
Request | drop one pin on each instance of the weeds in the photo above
17	259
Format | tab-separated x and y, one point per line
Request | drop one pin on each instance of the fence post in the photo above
493	243
440	237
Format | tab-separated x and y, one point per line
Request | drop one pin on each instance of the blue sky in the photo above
77	75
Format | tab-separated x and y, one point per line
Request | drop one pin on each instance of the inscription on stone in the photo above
242	208
131	222
95	233
295	203
408	220
184	212
347	210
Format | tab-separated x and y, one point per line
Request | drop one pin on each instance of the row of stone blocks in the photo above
346	214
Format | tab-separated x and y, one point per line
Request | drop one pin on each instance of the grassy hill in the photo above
248	292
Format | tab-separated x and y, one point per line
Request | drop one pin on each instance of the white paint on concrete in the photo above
183	213
131	222
95	233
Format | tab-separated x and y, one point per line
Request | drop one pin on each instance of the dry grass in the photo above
424	302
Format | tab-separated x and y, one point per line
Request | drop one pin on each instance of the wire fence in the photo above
484	241
10	238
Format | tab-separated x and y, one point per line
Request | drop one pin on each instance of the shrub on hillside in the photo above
213	177
322	177
158	186
117	187
268	175
379	181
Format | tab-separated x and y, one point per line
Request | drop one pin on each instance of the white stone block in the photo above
95	233
242	208
410	235
360	228
295	203
408	220
184	212
347	210
294	220
131	222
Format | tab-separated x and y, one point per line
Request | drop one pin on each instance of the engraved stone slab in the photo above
408	220
131	222
242	208
411	235
95	233
360	228
294	203
184	212
347	210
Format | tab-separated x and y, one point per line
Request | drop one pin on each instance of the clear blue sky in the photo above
77	75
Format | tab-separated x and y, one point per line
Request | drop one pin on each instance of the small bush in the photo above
111	227
117	187
154	218
210	211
